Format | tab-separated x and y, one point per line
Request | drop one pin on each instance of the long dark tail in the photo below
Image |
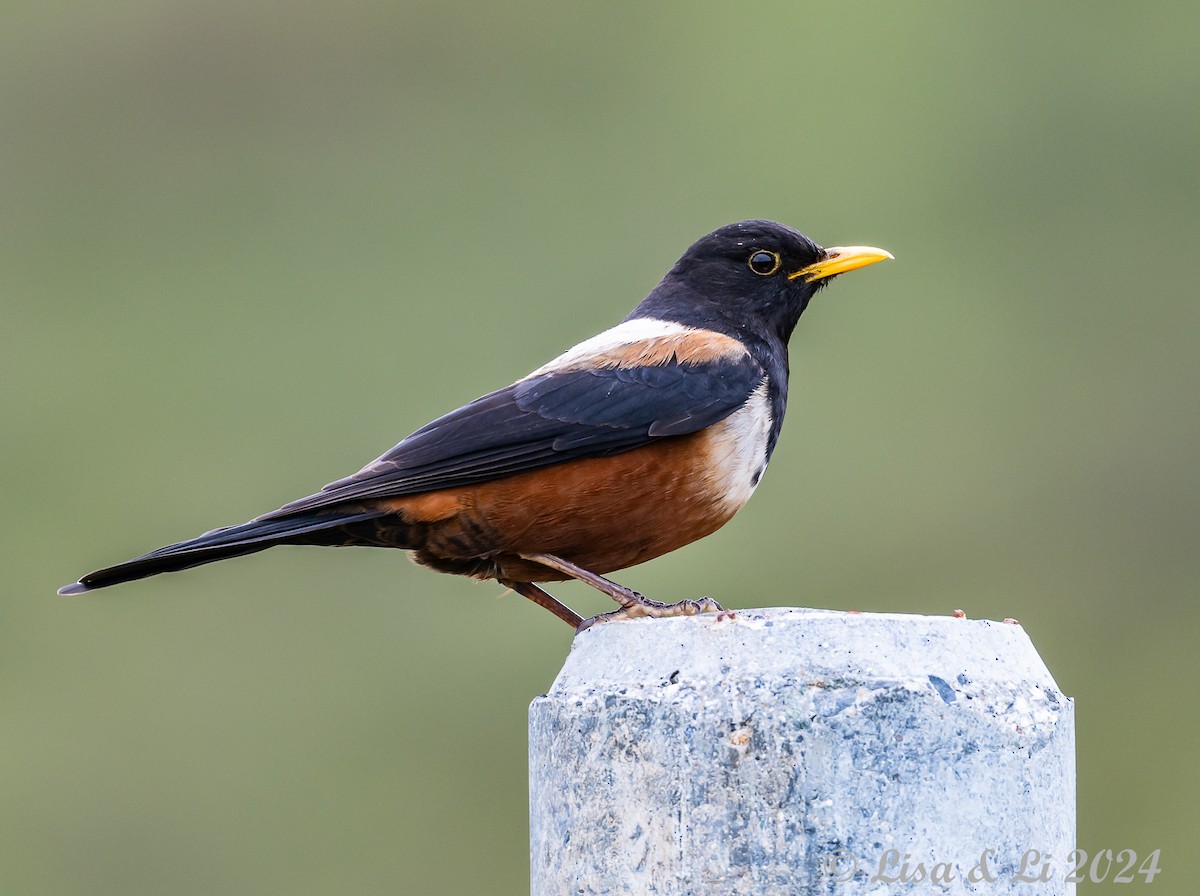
233	541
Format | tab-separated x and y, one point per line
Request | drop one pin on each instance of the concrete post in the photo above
790	751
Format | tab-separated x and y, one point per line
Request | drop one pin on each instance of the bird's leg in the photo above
633	604
626	597
543	599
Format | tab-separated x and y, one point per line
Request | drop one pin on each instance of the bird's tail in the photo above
233	541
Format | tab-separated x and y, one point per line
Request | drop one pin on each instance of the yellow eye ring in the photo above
764	263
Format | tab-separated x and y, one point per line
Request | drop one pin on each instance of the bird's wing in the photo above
584	404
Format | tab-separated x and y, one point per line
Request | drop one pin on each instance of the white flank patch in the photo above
740	452
626	333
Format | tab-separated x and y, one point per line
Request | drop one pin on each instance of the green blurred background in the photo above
245	249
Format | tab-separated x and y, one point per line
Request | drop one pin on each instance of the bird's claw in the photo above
653	609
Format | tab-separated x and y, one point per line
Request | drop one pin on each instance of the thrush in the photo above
625	447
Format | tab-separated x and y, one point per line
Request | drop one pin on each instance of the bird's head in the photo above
755	276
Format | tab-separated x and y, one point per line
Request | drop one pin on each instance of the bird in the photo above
629	445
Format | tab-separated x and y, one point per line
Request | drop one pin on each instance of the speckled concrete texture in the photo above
790	751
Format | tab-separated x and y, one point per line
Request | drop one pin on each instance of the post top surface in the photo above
808	645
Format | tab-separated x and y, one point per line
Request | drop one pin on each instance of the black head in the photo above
753	277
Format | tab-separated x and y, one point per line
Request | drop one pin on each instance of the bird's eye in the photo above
764	263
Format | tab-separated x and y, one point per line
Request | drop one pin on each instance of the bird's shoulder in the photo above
647	342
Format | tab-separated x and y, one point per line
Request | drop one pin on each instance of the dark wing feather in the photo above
548	419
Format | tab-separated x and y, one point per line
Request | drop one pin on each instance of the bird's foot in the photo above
633	604
653	609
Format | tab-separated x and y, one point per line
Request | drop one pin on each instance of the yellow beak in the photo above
839	260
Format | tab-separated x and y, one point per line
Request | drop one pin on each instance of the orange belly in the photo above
600	513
